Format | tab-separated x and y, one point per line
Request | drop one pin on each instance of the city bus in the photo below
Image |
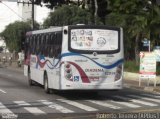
75	57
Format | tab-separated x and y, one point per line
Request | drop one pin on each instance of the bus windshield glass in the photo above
94	39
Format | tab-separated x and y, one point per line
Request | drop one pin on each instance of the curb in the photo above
142	88
131	80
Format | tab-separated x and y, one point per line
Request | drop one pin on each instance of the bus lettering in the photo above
94	70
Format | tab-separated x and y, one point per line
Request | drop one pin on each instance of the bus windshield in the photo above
94	39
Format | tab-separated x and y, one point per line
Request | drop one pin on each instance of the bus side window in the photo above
52	46
31	44
51	51
58	44
26	48
59	38
38	44
30	38
42	44
46	45
34	44
57	51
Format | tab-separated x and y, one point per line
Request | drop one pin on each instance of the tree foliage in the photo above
139	20
97	8
54	3
14	35
68	15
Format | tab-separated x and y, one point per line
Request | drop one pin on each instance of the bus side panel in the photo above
25	70
37	75
52	69
33	74
53	79
40	76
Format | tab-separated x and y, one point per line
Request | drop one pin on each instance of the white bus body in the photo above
88	57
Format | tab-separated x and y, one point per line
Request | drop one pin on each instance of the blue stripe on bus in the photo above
120	61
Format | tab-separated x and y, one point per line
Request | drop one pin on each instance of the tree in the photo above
68	15
136	17
14	35
53	3
97	8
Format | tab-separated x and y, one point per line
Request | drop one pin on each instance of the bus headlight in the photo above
118	72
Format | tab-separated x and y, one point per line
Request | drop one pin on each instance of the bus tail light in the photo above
67	66
68	72
118	72
69	76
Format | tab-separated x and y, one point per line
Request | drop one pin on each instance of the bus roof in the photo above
52	29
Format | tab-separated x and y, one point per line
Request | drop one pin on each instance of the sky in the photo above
9	13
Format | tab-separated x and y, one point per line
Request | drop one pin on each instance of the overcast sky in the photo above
11	14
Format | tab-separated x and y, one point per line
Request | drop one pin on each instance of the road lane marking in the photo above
79	105
136	101
103	104
145	98
127	104
56	106
33	110
4	109
22	103
2	91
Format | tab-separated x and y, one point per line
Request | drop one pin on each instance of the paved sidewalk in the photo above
131	80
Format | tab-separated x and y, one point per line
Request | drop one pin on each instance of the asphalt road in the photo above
19	101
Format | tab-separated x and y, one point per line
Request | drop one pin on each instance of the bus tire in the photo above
46	88
30	82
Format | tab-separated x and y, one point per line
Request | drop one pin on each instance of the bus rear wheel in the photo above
30	82
46	88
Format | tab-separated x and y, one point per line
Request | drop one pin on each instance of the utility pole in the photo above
32	3
32	14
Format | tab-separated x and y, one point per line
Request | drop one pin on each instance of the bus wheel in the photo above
46	89
30	82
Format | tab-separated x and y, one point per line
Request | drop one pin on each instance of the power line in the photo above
11	10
